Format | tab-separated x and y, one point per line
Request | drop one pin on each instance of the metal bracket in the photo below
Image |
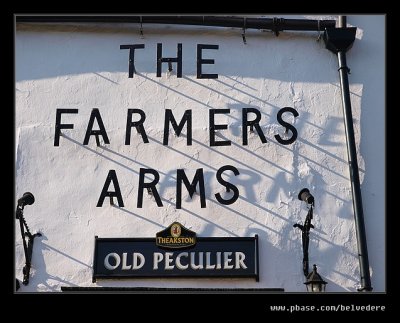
28	258
28	249
305	233
141	28
244	31
277	25
319	31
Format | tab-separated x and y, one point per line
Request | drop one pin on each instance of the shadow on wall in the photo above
40	279
290	277
252	177
247	184
45	54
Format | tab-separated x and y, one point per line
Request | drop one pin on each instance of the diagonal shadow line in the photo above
263	208
309	159
190	212
173	90
248	94
186	155
243	198
212	223
244	84
351	92
180	93
345	276
233	159
112	160
321	149
200	162
336	197
285	170
339	247
306	121
200	217
246	217
252	96
137	215
173	204
65	255
211	167
312	124
214	90
106	78
132	160
258	156
97	153
223	229
233	211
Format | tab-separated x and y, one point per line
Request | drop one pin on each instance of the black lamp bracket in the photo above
305	237
28	245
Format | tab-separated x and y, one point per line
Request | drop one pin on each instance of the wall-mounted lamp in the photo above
26	199
314	282
313	278
306	196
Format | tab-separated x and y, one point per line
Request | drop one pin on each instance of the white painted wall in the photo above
80	67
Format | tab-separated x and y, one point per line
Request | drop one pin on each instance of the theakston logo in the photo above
176	230
175	236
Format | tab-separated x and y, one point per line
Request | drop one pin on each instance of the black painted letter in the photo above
214	127
191	187
102	131
111	177
137	124
177	60
288	126
229	186
131	48
254	123
169	118
201	61
151	186
60	126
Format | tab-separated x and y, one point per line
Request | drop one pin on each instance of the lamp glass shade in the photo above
314	282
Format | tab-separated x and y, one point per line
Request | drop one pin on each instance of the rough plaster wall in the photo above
83	68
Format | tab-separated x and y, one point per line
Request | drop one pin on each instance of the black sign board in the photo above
228	257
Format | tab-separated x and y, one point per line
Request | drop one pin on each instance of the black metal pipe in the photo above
353	167
274	24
